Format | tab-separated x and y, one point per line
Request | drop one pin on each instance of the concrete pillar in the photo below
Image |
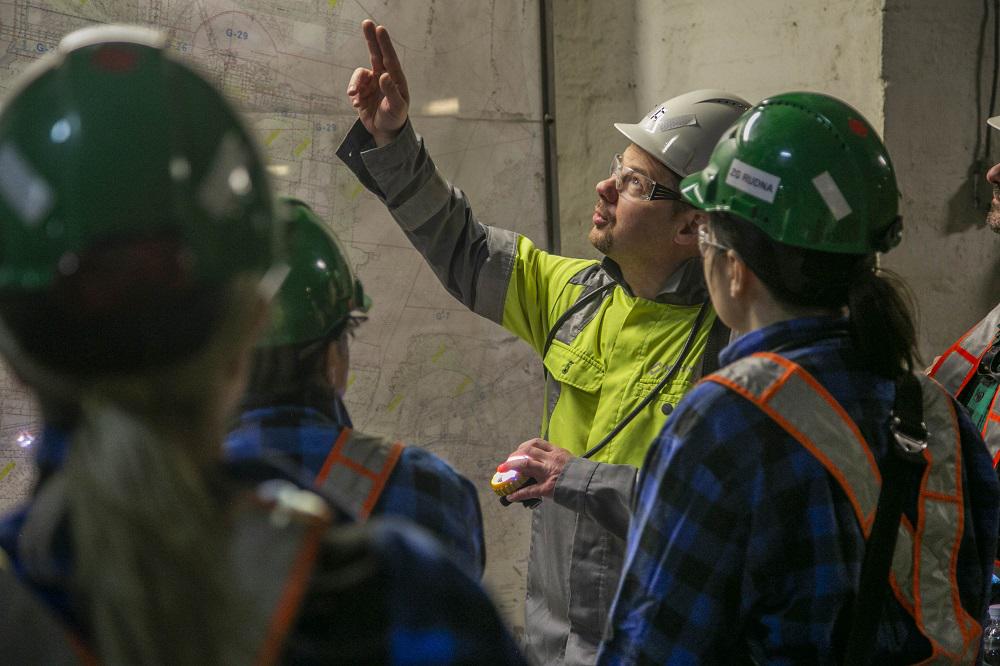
935	107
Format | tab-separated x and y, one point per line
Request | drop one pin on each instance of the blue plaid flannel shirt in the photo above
398	601
422	488
743	547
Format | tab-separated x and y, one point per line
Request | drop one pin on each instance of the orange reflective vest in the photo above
957	366
356	470
922	576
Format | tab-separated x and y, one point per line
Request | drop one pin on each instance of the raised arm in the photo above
494	272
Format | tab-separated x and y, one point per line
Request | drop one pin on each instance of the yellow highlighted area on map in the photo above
8	468
394	403
461	387
272	136
301	147
439	353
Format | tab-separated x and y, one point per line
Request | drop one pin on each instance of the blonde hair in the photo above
150	528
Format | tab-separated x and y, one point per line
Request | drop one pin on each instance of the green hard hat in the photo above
109	138
809	171
320	291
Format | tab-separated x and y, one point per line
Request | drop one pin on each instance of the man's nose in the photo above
993	175
606	189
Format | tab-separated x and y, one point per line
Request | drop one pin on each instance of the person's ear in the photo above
740	276
687	232
338	361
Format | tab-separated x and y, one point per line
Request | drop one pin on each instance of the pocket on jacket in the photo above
573	367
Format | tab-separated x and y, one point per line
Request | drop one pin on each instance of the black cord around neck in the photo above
688	344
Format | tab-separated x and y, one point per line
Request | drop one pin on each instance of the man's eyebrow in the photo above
665	182
637	170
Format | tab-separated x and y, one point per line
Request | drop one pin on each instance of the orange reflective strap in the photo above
865	517
923	576
378	478
291	596
968	625
332	457
903	594
769	392
981	334
832	402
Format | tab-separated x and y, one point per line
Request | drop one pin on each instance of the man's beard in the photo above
993	217
602	239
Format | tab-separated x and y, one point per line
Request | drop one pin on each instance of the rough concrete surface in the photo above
614	61
595	87
949	258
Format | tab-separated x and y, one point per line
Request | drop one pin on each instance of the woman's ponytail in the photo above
881	320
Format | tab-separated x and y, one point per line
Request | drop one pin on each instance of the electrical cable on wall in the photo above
983	157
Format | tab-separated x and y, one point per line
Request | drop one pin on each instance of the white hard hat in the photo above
682	131
993	122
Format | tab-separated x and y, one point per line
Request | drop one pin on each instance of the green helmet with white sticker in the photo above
110	137
809	171
320	292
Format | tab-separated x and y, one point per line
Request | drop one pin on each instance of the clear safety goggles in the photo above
705	241
634	185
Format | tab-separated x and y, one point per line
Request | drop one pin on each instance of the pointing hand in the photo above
379	94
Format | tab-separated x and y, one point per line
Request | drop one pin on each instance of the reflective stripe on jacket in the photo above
356	471
922	576
957	366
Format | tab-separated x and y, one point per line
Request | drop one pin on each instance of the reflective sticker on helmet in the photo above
858	127
22	187
753	181
227	179
832	196
118	58
666	123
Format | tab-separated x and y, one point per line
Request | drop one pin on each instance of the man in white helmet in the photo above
621	339
970	368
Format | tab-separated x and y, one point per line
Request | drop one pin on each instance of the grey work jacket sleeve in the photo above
472	261
601	491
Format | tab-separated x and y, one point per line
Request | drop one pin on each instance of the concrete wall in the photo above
948	257
614	61
594	56
759	48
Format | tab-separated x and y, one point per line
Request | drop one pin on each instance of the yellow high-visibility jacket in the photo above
601	361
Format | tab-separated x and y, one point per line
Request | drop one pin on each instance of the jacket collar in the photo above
685	286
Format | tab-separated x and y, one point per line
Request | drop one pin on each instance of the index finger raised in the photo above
374	50
391	61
